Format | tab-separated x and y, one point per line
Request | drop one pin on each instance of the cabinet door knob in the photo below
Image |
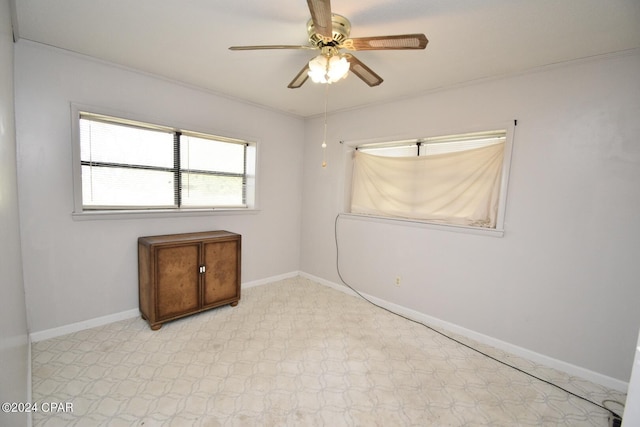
202	269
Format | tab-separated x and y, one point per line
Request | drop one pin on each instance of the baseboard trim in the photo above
271	279
29	383
128	314
542	359
80	326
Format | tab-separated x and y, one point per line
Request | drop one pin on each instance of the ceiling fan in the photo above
329	32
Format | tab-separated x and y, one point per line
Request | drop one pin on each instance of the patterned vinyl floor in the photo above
295	353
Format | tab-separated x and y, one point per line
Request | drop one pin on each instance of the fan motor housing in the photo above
340	30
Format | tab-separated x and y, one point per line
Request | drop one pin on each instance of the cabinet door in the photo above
221	275
177	277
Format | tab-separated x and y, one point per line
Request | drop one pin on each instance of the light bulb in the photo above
338	68
323	69
318	69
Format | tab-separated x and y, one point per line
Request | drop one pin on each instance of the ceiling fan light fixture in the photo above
329	33
328	68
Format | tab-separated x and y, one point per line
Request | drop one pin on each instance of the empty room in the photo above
320	213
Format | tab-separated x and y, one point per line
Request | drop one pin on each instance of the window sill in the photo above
424	224
158	213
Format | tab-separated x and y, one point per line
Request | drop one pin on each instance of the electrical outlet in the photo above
398	280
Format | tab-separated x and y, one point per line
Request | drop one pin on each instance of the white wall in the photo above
564	279
13	320
80	270
632	407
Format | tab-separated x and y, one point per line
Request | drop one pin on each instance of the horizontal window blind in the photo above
213	172
133	165
434	145
125	166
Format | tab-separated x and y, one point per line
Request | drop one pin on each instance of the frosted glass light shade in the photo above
328	70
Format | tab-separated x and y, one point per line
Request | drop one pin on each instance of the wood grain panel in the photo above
222	274
177	280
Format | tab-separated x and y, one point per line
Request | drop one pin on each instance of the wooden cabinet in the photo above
182	274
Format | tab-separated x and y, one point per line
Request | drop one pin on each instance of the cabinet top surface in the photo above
186	237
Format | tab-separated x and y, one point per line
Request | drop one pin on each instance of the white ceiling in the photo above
188	41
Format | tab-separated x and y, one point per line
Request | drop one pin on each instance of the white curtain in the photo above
459	188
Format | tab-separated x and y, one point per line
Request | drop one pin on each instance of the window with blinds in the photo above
127	165
454	180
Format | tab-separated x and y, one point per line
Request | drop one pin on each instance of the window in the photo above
130	165
455	180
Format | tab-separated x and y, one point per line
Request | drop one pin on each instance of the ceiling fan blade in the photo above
401	41
365	73
299	80
274	46
321	16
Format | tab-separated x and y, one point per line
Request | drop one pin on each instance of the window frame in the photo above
350	146
80	212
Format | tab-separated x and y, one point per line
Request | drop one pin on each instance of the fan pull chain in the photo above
324	139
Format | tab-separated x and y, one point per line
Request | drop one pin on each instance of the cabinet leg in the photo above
156	326
233	304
